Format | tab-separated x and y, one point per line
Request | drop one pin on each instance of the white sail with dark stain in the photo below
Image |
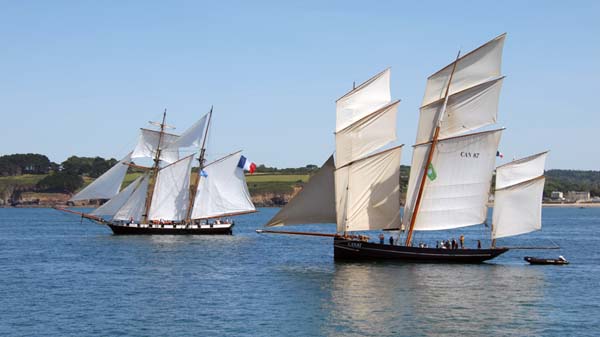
107	185
222	190
518	196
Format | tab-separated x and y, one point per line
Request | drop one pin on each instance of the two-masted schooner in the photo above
451	171
169	197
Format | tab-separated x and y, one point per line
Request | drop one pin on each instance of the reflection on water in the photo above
429	299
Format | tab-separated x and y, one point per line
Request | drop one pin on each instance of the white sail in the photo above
366	98
111	207
518	208
222	190
134	207
314	204
480	65
192	136
368	192
366	135
107	185
148	143
520	170
466	111
170	199
457	188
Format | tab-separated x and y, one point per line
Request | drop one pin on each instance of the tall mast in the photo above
198	175
155	168
434	141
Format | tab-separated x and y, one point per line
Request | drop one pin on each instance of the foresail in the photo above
466	111
368	192
170	198
478	66
222	190
366	98
133	209
148	144
457	184
366	135
314	204
111	207
520	170
107	185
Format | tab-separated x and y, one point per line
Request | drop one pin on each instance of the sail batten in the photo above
107	185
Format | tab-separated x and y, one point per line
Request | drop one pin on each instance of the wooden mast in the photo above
155	168
434	141
198	175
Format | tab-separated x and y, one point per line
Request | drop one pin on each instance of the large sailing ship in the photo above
451	171
169	197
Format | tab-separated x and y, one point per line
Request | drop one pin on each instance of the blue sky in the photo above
80	77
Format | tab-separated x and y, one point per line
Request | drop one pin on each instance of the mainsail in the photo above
451	170
222	190
518	196
457	189
107	185
368	192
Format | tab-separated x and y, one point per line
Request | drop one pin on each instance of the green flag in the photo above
431	172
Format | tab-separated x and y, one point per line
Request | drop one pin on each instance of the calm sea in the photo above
63	277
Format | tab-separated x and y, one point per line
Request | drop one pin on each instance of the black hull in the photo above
352	250
535	260
130	230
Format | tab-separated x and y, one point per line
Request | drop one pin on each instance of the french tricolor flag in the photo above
499	154
247	165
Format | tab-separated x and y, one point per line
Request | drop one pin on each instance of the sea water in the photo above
61	276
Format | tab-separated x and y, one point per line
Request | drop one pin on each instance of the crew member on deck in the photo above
381	238
462	241
391	240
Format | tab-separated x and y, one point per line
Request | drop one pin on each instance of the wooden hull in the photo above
180	230
352	250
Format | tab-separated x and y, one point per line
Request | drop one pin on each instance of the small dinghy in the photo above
535	260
